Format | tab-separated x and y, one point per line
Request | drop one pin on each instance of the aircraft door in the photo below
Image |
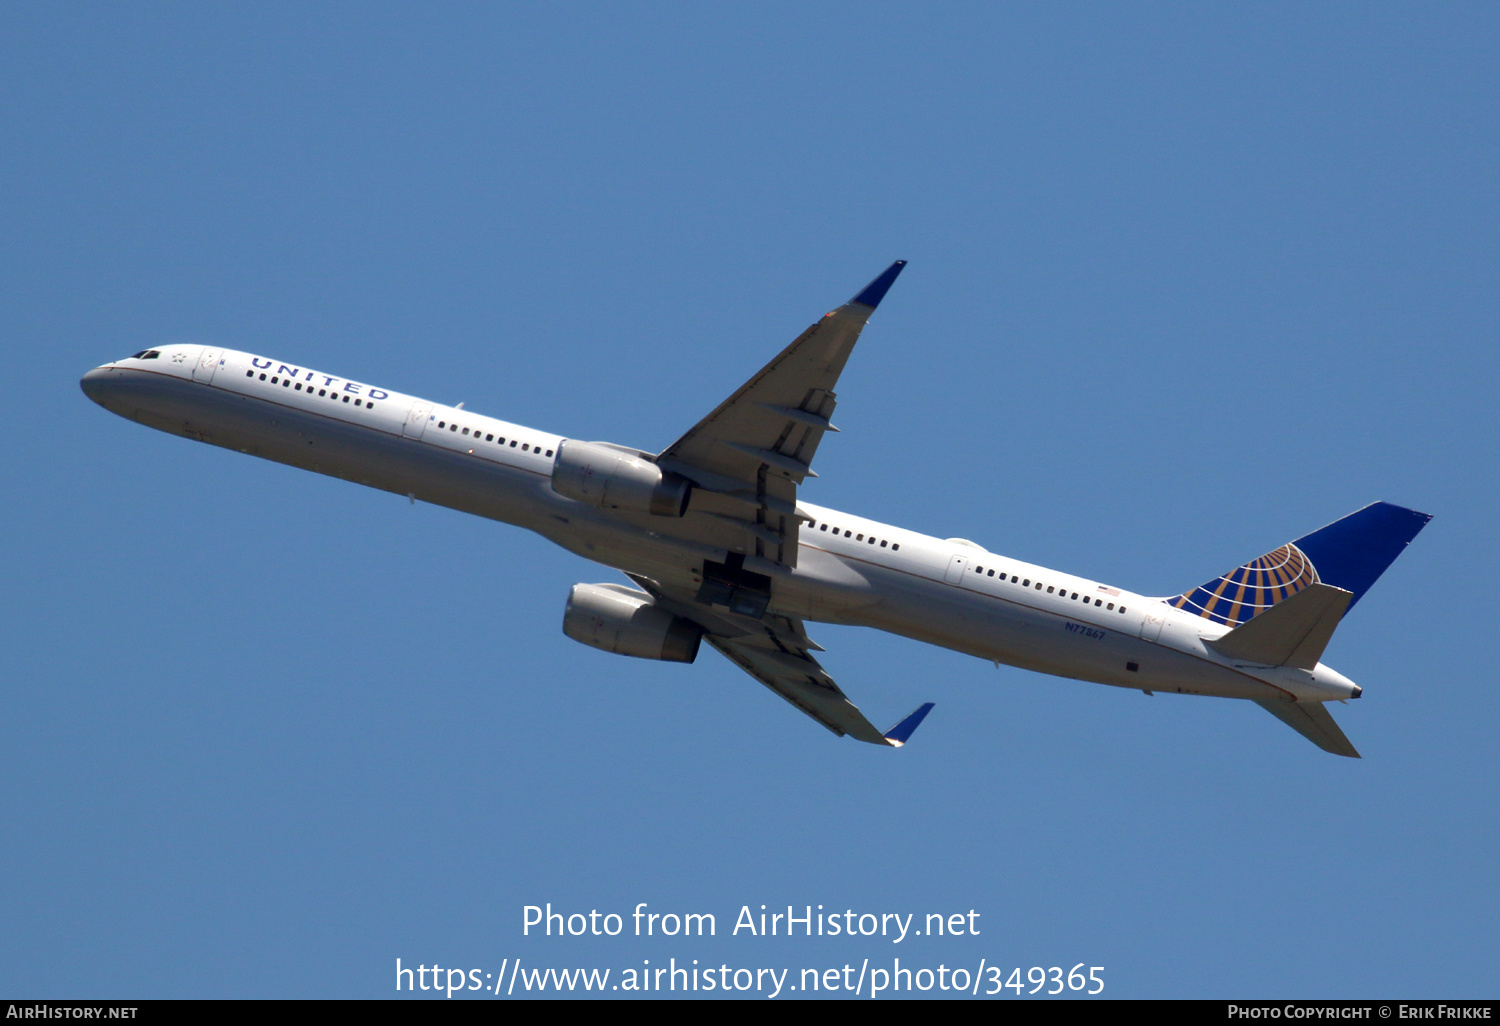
416	419
956	567
208	362
1151	625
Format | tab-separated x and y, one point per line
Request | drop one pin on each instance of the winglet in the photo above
876	290
902	732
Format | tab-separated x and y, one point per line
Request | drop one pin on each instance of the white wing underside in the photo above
776	651
745	460
748	456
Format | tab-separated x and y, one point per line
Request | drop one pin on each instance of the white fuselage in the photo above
850	570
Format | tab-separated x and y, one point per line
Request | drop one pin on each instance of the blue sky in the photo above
1186	282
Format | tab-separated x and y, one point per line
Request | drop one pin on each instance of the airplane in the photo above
719	546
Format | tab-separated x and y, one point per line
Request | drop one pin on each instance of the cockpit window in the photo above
147	354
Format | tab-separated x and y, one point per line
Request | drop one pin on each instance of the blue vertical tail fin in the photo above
1350	554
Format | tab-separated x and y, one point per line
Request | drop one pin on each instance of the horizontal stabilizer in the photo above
902	732
1312	721
1294	632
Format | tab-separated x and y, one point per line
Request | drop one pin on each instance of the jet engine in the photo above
628	622
614	478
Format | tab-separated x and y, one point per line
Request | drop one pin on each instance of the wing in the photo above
748	456
776	651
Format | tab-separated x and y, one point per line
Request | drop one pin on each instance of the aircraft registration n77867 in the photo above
719	547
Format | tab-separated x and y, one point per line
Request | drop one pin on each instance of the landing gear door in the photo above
416	419
208	362
956	567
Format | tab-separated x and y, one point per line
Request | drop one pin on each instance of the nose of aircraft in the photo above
96	384
107	386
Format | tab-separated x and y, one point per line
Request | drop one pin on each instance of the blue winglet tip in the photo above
902	732
876	290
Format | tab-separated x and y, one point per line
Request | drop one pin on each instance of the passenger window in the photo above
1049	589
859	537
346	398
1026	583
275	380
872	539
882	545
286	382
979	570
452	427
512	443
321	392
992	573
249	374
549	452
262	377
489	438
823	528
466	430
1111	607
895	546
847	533
442	423
1038	585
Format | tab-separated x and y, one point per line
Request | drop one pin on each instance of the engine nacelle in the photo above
611	478
627	622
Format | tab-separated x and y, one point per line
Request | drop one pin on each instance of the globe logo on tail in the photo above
1248	590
